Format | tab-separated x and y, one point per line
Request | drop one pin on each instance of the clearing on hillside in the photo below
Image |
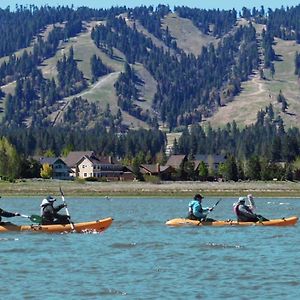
188	37
258	93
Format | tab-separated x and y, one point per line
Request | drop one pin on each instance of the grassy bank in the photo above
165	189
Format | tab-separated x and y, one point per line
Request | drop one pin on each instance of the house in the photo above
86	164
164	172
175	161
210	160
73	158
99	168
59	167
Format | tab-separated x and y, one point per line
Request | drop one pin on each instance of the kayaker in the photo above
49	213
196	211
245	213
7	214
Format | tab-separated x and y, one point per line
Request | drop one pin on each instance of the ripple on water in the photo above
8	239
222	246
104	292
110	292
123	245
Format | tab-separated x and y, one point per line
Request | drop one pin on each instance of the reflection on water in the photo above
139	257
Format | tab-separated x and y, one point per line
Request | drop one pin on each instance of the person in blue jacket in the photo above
196	211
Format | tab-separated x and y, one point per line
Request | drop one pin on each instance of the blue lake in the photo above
139	257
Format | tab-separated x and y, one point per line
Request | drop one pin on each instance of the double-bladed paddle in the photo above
33	218
66	208
211	209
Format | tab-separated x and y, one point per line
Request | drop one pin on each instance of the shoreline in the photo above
40	187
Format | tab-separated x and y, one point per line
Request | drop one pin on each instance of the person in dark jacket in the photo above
244	213
7	214
49	212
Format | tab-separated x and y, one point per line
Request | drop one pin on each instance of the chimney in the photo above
158	168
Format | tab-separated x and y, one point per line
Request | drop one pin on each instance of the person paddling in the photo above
49	213
196	211
7	214
245	213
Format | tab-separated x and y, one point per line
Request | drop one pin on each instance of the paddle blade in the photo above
61	192
35	218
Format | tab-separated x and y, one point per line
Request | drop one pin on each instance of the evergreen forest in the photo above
52	100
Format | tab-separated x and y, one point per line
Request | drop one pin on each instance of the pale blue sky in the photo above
222	4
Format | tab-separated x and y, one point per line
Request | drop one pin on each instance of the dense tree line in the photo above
266	138
34	141
255	152
282	22
98	68
128	94
269	53
70	78
216	22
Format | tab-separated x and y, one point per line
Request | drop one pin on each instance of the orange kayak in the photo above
275	222
94	226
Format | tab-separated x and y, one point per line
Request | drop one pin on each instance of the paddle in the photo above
33	218
211	209
251	202
66	208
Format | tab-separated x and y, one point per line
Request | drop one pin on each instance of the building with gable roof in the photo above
60	170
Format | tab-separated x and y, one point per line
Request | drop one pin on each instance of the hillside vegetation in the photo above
189	66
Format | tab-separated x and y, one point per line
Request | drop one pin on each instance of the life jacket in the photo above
49	214
192	205
236	209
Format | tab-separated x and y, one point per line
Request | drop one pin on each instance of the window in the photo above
85	174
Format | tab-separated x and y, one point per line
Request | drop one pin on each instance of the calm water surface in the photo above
139	257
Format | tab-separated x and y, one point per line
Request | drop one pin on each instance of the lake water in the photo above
139	257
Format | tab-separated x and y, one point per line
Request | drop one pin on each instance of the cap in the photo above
241	199
44	202
198	196
50	199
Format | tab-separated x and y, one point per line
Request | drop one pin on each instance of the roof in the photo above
153	168
175	160
74	156
105	159
50	160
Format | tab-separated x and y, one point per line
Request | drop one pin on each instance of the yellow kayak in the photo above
94	226
275	222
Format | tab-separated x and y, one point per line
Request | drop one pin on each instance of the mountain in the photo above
147	67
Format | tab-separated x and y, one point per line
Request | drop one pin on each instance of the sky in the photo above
210	4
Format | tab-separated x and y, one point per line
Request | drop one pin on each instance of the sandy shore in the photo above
44	187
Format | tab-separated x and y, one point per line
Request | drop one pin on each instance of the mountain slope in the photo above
258	93
255	94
